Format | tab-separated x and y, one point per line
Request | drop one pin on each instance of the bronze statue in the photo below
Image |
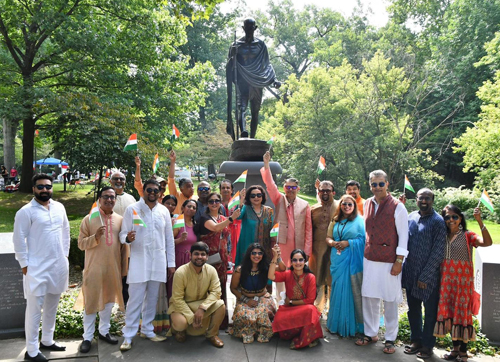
250	73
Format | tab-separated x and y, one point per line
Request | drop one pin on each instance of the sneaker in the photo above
126	346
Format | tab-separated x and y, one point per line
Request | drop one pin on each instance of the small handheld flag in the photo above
275	231
179	222
175	132
321	164
136	219
131	143
485	199
235	200
271	141
242	178
156	163
408	184
94	212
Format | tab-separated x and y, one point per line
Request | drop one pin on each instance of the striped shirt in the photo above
426	243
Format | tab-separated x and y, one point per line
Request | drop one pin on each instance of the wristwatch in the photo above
230	219
290	302
399	260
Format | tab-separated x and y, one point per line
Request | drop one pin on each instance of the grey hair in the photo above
377	173
117	173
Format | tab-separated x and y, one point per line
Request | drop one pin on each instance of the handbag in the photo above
215	258
475	302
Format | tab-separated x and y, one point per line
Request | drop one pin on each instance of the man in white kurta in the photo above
147	228
41	243
386	221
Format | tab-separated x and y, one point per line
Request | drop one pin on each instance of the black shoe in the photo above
38	358
55	347
85	346
108	338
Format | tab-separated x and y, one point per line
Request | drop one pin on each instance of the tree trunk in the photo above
28	143
9	143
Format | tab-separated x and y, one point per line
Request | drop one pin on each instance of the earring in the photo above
460	227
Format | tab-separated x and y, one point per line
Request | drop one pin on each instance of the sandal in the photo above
463	357
365	340
451	356
414	348
389	347
313	344
425	353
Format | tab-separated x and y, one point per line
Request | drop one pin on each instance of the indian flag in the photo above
94	212
485	199
136	219
275	230
175	132
408	184
271	141
235	200
179	222
321	164
242	178
131	143
156	163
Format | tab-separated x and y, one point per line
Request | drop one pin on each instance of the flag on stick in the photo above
175	132
37	133
136	219
179	222
275	230
271	141
321	164
242	178
94	212
408	184
235	201
131	143
485	199
156	163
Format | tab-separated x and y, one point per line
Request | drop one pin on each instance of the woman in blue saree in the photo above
346	236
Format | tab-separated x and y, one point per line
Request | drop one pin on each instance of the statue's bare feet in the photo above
244	134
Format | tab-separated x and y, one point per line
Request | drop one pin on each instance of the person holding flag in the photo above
256	222
184	233
147	228
186	188
106	261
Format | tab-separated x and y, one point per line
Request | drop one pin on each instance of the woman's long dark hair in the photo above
184	206
301	252
457	211
246	265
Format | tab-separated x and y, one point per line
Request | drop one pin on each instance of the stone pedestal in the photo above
12	302
487	283
248	149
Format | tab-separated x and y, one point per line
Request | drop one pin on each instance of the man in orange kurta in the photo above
105	264
353	188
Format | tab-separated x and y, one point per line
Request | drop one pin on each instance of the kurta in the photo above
360	202
254	229
345	315
123	200
319	263
153	249
105	262
41	243
192	290
377	279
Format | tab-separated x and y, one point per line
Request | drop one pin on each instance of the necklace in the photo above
260	212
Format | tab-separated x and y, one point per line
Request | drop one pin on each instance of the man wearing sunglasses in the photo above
151	254
319	263
292	213
386	224
204	190
41	243
421	272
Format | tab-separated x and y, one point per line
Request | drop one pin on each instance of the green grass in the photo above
493	228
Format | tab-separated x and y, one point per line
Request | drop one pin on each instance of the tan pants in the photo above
210	324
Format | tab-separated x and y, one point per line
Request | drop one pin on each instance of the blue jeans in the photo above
424	335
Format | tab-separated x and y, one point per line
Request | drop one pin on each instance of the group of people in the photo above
337	258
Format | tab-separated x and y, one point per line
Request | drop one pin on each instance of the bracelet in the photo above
398	260
230	219
484	227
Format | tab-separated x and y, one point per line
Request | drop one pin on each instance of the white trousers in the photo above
34	306
280	287
142	299
104	322
371	317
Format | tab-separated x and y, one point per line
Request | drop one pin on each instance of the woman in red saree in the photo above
297	319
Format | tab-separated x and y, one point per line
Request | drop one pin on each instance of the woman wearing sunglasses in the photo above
297	319
213	229
346	236
254	305
457	281
256	221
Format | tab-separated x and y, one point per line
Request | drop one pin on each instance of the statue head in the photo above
249	26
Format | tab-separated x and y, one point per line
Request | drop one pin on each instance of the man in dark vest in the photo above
386	224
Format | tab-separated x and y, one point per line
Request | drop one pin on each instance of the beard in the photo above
43	196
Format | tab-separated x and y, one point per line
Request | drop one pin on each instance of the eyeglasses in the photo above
118	179
203	188
327	191
454	217
259	253
291	187
380	184
108	197
214	201
150	190
253	196
424	198
41	187
300	260
349	204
